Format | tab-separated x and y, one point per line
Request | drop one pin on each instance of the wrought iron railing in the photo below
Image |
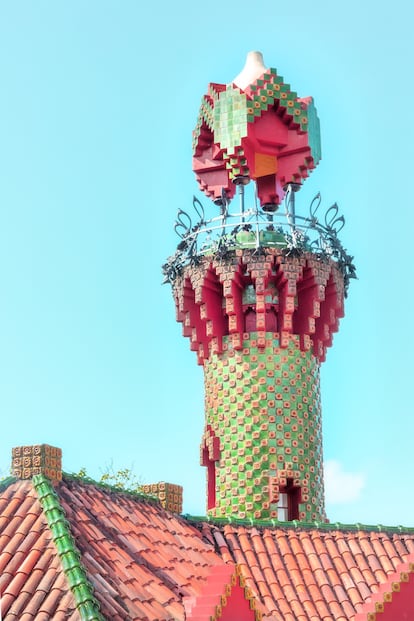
256	228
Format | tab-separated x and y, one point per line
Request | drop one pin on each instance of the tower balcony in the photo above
253	270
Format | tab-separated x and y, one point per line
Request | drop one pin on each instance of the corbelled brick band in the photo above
260	323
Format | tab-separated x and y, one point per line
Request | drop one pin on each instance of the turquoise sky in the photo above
98	100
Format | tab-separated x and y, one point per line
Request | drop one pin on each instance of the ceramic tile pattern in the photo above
143	562
263	406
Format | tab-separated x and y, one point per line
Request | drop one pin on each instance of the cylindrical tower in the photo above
259	298
260	324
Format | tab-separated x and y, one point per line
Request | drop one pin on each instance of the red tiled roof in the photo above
32	583
143	562
148	556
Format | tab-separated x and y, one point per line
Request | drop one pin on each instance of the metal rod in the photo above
241	195
292	206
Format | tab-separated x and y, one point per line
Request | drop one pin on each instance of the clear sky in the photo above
98	100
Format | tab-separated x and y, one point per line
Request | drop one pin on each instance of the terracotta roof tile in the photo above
391	553
333	571
25	554
410	544
150	555
10	569
37	597
142	560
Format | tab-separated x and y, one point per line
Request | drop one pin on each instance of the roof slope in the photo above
32	584
317	573
140	558
143	562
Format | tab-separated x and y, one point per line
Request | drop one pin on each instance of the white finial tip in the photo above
251	71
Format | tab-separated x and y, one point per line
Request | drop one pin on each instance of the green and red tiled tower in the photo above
259	299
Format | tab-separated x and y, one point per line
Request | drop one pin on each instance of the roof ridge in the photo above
71	476
4	483
70	557
298	525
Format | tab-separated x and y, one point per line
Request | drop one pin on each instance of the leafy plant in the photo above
122	479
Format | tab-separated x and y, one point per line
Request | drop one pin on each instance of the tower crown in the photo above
257	128
259	291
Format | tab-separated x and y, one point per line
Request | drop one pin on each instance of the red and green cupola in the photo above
259	293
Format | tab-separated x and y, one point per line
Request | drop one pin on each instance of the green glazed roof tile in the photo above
296	524
66	547
69	560
88	613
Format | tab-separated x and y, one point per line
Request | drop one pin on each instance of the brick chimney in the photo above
169	495
28	461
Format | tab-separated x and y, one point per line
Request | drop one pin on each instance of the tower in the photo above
259	291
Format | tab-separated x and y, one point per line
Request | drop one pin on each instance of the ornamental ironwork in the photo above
257	229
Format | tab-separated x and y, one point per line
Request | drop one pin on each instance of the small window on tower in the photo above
283	508
209	455
211	479
288	504
249	295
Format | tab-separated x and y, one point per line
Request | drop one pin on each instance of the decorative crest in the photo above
256	229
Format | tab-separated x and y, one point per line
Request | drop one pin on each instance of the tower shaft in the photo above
262	405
